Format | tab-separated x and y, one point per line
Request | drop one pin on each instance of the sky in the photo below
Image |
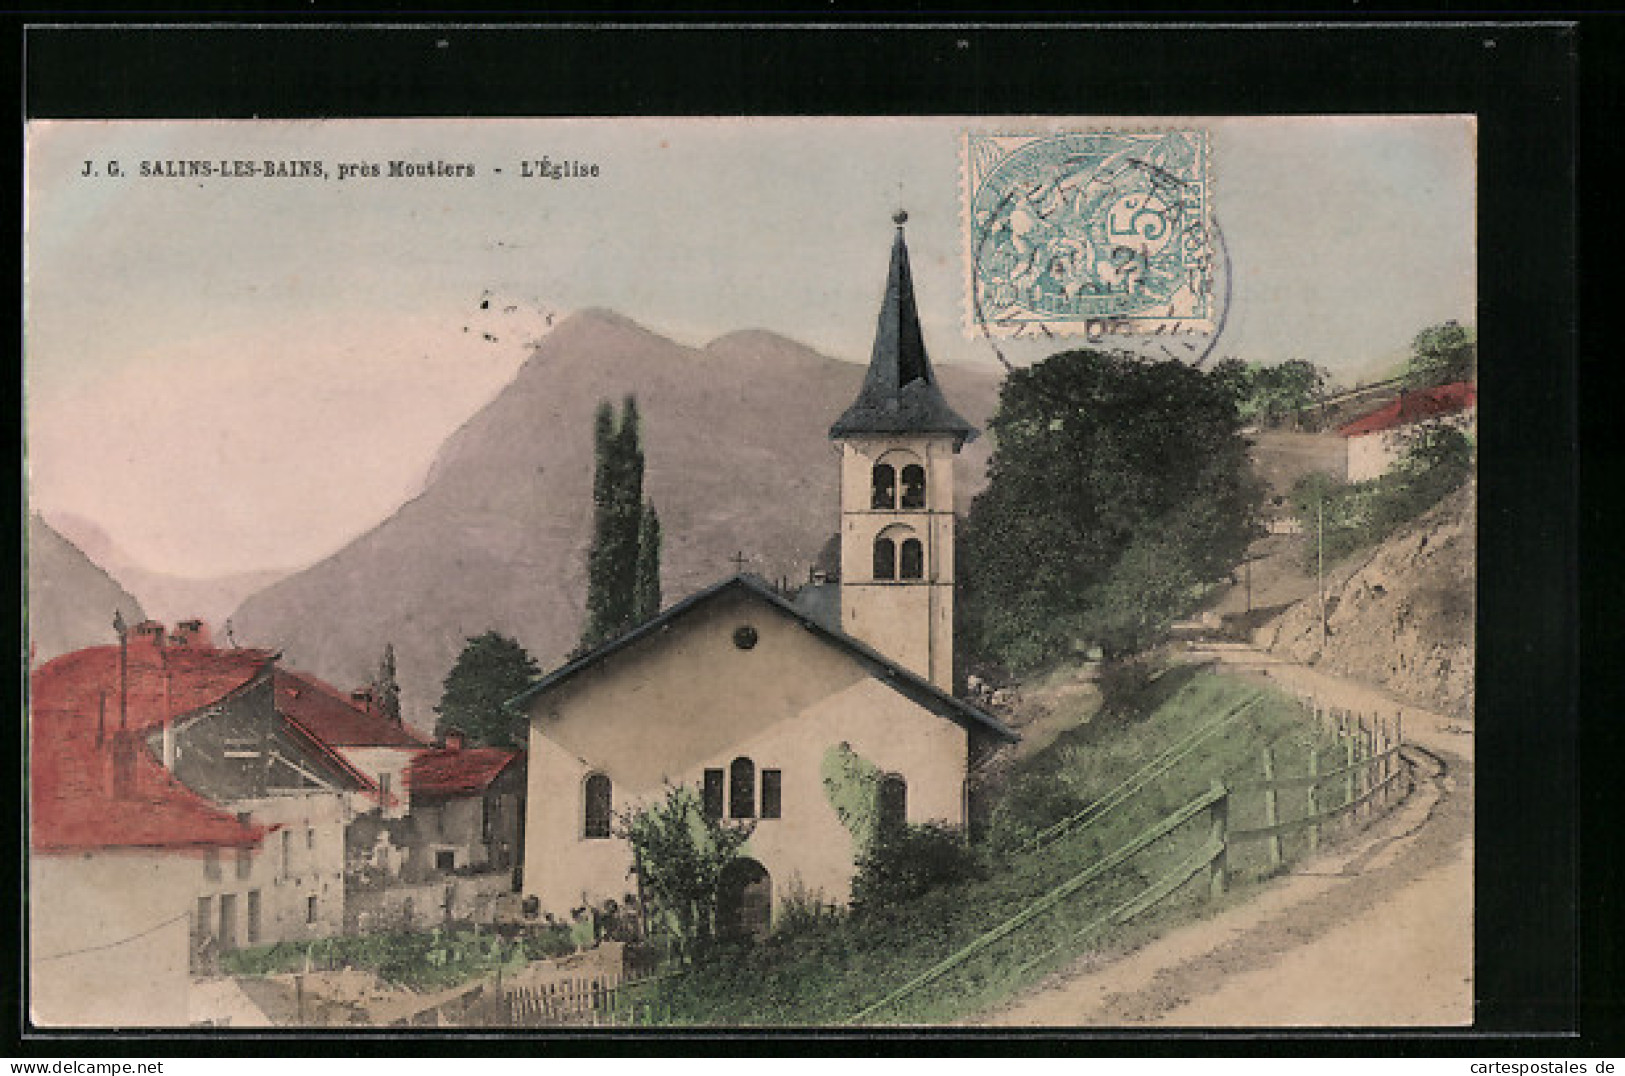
232	374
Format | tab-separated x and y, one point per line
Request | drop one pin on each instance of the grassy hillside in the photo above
826	970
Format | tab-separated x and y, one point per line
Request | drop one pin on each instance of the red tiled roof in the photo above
327	714
446	772
70	687
70	774
1415	407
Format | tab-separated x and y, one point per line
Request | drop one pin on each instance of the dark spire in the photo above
900	393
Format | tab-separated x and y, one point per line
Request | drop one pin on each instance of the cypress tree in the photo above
623	566
386	690
647	595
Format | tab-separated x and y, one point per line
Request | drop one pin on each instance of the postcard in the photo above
527	574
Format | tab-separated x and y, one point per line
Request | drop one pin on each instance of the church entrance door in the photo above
745	900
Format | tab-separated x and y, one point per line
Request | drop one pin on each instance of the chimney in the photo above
150	633
455	739
193	633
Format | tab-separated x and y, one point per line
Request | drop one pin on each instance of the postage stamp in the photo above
1088	233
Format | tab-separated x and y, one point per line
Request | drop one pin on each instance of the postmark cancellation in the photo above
1088	233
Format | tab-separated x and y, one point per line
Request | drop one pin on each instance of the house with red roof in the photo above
1377	441
165	740
467	807
457	851
119	847
351	725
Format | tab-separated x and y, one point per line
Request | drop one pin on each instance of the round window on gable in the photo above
745	637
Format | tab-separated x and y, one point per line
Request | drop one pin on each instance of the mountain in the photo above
735	434
70	600
167	597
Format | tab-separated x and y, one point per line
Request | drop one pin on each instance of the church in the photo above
761	705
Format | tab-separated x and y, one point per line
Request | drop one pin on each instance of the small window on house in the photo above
599	796
385	780
489	810
911	562
211	864
893	801
203	924
772	782
310	838
885	558
245	862
742	788
913	486
445	859
712	794
253	917
310	908
287	853
884	480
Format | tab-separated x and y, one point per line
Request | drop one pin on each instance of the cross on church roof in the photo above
739	560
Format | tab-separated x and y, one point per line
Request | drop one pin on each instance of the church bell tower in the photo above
898	441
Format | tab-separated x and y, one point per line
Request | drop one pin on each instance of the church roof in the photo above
915	687
900	393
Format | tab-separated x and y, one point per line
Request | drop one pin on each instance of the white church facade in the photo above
755	702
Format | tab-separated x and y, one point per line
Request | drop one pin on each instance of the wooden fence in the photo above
601	1000
1368	777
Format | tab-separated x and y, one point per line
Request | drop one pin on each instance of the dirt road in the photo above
1376	931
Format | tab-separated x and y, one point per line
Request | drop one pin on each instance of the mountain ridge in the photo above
735	435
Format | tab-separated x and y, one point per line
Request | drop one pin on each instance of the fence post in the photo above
1313	800
1271	813
1348	774
1218	869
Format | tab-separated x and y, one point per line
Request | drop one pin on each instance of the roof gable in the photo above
905	682
324	711
1412	407
460	772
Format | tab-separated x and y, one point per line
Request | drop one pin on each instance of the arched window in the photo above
893	801
911	564
913	486
884	479
599	796
885	558
742	788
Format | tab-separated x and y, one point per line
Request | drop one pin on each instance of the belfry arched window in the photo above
913	486
911	560
742	788
883	481
885	558
598	794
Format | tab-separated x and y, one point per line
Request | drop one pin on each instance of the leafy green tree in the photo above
1271	394
491	670
1118	492
623	577
386	689
1441	355
680	853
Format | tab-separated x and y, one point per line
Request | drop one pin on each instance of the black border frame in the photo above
1522	80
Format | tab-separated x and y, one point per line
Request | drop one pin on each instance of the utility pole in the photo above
123	669
1320	564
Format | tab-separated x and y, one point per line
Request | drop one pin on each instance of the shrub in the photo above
904	862
1028	806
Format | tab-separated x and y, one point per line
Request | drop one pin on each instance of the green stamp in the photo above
1094	233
